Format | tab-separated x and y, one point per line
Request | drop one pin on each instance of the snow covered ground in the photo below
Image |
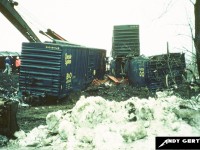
98	124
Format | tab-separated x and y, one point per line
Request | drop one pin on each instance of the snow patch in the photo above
96	123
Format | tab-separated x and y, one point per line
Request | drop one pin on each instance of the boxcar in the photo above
125	41
49	69
156	72
161	67
137	70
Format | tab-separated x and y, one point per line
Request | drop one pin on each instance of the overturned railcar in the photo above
156	72
165	70
136	70
125	43
49	69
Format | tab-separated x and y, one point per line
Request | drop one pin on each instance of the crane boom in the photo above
52	35
8	10
55	35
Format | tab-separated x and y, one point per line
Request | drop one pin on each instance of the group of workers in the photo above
9	63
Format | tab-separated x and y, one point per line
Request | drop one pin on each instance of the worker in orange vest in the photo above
17	64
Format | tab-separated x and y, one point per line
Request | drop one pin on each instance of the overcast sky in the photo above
90	22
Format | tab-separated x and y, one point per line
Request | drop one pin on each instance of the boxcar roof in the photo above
7	53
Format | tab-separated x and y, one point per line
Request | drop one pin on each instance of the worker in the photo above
8	64
17	64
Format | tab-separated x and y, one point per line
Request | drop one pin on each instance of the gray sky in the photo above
90	22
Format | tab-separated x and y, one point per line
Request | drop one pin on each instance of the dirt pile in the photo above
119	92
8	85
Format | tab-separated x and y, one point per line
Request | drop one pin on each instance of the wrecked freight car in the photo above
54	70
165	71
125	43
156	72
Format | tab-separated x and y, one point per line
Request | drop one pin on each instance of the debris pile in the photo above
120	92
97	123
8	86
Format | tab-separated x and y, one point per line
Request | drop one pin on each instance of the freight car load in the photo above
55	70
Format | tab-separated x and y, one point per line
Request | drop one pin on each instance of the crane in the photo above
7	8
52	35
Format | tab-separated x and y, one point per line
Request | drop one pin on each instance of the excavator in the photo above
7	8
8	108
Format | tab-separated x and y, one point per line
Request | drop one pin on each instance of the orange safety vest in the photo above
17	62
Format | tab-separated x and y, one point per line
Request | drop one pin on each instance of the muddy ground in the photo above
29	116
33	116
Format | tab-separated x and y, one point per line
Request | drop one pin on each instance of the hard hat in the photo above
17	57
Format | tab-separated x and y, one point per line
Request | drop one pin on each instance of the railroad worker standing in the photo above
8	64
17	64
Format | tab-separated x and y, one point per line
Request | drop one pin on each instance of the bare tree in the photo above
197	33
196	37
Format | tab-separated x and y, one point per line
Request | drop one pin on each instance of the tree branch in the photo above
192	2
189	51
166	9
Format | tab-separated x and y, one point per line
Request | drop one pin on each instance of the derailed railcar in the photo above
136	70
125	41
156	72
125	44
49	69
165	70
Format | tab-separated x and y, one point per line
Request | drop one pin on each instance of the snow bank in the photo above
96	123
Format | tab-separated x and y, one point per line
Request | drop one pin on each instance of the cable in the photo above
30	18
